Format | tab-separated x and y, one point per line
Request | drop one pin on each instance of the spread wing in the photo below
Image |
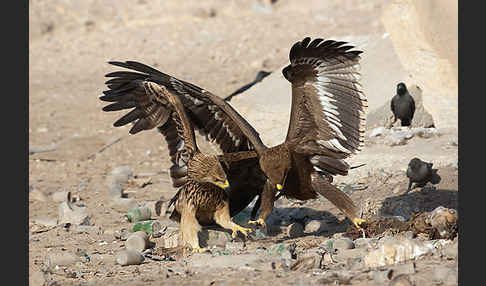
205	116
328	106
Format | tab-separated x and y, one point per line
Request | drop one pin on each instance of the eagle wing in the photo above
328	110
205	116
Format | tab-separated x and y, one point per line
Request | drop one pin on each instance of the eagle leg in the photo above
267	200
223	218
190	227
338	198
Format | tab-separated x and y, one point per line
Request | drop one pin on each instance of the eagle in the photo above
201	179
326	126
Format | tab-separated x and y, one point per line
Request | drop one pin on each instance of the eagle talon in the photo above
241	229
199	250
259	221
357	222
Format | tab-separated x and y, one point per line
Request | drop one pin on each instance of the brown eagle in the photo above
327	123
200	176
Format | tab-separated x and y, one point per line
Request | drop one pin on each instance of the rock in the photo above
406	268
137	241
316	226
295	229
129	257
378	131
343	243
445	221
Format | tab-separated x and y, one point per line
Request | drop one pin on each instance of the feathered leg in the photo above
223	218
336	197
267	201
190	228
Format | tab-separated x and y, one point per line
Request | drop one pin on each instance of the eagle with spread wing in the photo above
327	122
201	177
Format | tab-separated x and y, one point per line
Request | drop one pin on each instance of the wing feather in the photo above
328	115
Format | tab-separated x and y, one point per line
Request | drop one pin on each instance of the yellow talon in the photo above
199	250
357	222
259	221
241	229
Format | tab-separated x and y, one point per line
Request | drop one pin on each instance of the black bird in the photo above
402	105
421	172
261	75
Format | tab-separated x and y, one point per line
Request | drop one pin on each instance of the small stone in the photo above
137	241
295	230
343	243
129	257
315	226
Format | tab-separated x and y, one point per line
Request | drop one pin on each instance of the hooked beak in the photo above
225	186
279	187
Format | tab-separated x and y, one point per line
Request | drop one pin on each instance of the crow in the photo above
421	172
402	105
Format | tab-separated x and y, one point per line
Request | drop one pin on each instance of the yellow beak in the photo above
279	187
223	186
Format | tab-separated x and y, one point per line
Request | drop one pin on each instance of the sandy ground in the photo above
219	45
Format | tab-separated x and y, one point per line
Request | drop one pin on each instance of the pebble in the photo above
137	241
315	226
295	230
129	257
